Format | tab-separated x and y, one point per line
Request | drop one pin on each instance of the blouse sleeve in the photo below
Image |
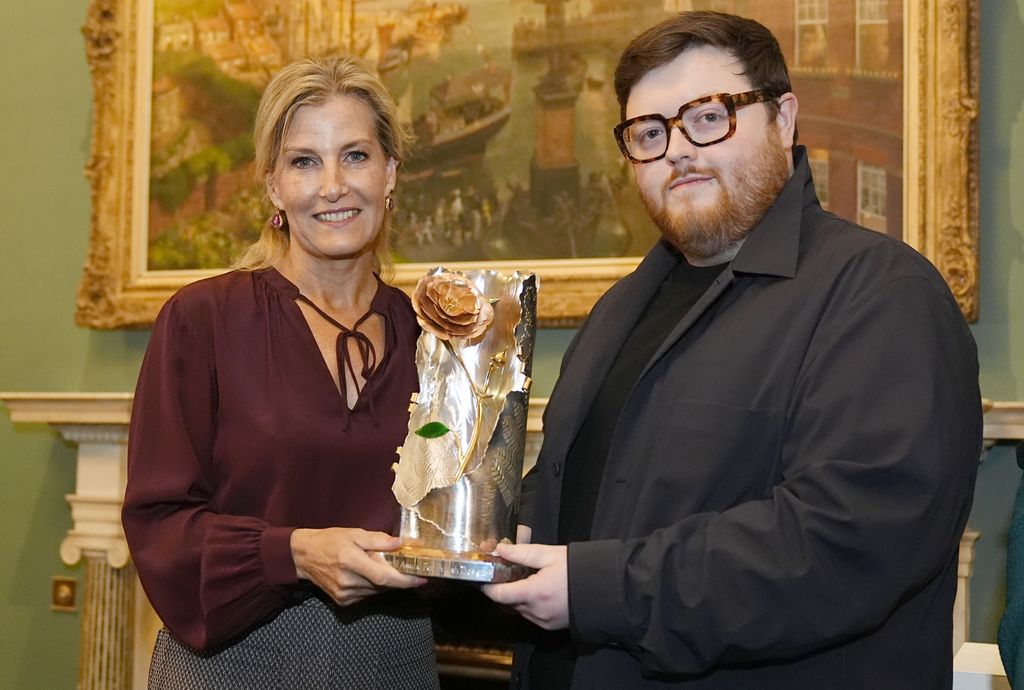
211	577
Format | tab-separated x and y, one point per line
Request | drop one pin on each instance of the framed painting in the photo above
512	105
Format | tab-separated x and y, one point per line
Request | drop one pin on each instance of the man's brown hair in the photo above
751	42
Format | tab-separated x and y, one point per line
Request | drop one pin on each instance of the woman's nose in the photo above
332	185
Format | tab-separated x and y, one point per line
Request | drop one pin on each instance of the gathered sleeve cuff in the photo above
276	554
242	573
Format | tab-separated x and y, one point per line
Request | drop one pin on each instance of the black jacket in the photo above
788	480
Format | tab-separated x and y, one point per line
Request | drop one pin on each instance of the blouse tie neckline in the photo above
367	353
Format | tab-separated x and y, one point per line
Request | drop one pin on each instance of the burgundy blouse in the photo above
239	435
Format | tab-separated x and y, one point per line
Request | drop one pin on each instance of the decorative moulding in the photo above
1004	421
82	412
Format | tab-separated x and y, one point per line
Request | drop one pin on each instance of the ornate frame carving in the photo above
940	170
940	197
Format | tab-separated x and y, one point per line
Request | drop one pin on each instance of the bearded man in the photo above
760	453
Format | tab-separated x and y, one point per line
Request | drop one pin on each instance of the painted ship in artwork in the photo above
464	113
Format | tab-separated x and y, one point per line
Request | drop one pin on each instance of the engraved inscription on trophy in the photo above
459	469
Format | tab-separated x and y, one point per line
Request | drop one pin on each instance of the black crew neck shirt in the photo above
553	660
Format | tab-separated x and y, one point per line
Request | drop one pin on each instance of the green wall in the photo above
45	122
1000	328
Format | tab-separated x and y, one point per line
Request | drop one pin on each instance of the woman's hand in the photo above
336	561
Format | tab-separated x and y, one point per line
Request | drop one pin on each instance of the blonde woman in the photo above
266	417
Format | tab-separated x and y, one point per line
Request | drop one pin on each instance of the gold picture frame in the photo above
939	181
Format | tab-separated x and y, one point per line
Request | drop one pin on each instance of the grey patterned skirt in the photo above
311	646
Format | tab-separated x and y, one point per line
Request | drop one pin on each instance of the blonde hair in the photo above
311	81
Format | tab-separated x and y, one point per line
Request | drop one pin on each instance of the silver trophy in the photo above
460	468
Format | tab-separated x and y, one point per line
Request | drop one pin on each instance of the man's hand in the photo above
542	598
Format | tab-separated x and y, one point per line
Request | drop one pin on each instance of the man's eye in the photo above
707	118
648	134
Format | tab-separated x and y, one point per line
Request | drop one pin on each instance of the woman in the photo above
269	406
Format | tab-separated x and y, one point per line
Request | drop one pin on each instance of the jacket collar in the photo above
772	247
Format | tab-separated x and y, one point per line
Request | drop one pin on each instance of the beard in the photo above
744	196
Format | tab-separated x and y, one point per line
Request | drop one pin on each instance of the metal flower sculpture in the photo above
459	468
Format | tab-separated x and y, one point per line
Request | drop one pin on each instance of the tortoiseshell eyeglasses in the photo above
704	121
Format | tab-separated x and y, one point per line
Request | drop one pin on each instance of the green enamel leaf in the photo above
432	430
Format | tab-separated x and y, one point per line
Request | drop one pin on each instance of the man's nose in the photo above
679	147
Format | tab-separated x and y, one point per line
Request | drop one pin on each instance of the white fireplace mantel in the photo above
98	424
115	631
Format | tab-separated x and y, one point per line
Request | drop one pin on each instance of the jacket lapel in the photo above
771	248
598	344
706	300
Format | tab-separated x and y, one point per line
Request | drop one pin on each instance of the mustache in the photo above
690	171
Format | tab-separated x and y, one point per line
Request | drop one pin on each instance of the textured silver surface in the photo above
443	507
455	568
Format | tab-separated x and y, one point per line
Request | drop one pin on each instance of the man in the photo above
762	444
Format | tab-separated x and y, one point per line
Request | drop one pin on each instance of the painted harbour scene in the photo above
511	103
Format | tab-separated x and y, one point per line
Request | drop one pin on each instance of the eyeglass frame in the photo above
731	102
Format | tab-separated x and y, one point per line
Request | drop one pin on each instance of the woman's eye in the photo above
356	156
302	162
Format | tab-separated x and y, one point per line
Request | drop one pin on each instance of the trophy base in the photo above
455	566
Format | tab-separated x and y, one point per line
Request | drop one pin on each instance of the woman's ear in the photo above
271	185
392	175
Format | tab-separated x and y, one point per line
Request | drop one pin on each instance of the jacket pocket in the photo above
709	457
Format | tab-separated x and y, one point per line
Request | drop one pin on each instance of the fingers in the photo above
349	590
364	578
539	601
337	561
382	575
531	555
510	593
523	534
541	598
373	568
374	541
